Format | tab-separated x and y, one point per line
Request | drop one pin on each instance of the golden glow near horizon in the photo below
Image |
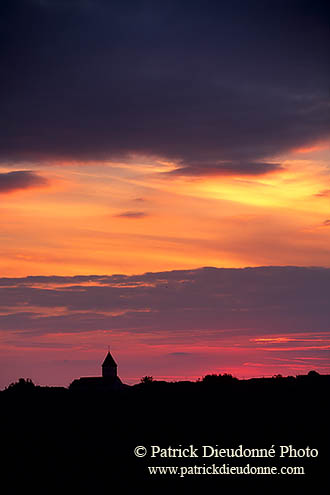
132	217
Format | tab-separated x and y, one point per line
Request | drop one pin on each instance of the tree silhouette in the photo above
22	385
147	379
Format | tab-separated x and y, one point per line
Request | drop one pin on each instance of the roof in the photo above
97	383
109	361
86	382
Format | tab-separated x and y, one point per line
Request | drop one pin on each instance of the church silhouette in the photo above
108	381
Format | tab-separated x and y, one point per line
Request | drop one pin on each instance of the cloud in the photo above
189	81
326	223
323	194
226	169
24	179
181	323
131	214
176	323
180	354
207	303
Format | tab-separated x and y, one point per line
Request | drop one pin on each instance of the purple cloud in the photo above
191	81
208	301
132	214
227	168
21	179
177	323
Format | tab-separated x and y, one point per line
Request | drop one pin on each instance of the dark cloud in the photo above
203	303
21	179
326	223
132	214
181	354
228	168
194	81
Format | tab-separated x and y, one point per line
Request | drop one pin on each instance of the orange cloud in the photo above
84	223
310	149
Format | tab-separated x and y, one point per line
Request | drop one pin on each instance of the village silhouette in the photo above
85	435
109	381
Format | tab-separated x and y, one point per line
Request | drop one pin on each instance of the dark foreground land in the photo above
71	441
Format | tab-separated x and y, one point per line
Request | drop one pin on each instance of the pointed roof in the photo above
109	361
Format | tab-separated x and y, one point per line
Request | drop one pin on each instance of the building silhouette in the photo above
108	381
109	367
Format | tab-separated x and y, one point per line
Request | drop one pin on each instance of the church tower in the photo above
109	367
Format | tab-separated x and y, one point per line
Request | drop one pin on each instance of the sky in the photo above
145	140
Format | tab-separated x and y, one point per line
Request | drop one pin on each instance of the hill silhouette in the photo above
86	438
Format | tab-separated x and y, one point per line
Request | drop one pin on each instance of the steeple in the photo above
109	367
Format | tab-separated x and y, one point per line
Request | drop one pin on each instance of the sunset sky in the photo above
140	142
